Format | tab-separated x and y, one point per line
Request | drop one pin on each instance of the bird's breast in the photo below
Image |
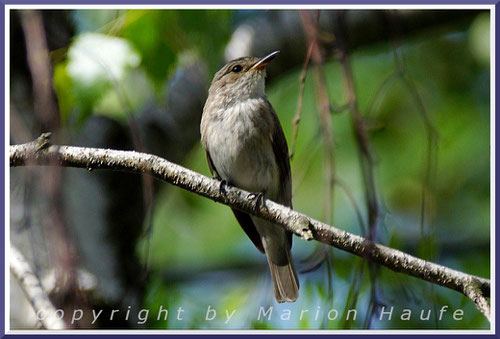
238	139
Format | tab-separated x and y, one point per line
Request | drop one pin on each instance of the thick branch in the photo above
34	291
40	152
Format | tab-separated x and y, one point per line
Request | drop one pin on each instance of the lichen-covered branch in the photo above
40	152
474	293
32	288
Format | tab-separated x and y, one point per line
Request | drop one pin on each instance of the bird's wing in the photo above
248	226
280	149
244	219
211	166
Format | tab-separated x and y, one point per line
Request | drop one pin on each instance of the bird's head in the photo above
241	78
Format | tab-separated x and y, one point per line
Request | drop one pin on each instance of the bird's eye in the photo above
236	69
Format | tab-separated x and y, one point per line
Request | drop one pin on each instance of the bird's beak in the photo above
264	61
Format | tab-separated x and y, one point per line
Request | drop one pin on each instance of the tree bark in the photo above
40	152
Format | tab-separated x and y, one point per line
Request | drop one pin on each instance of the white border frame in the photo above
10	7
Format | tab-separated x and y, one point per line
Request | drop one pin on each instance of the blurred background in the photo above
392	143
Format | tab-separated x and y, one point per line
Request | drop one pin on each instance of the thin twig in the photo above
352	201
33	289
324	109
48	118
381	91
431	159
352	296
362	140
298	113
366	157
365	154
37	54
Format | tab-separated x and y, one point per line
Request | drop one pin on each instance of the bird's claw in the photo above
259	200
222	187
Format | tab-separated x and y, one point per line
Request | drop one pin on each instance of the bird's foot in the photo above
222	186
259	200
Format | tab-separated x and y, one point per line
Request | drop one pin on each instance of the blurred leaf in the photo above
479	38
96	65
62	85
161	36
147	32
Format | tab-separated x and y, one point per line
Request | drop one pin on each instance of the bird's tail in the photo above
285	281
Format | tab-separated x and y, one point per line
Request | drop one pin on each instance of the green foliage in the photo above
62	85
147	31
126	57
162	36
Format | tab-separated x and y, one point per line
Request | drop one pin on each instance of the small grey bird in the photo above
246	147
